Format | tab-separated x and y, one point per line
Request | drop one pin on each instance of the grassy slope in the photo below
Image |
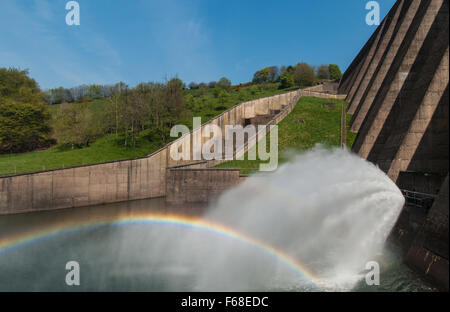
321	125
214	108
106	148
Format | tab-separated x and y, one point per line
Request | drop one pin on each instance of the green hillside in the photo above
204	102
308	124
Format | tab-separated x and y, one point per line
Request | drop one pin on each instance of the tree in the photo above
193	86
166	106
224	83
335	72
274	74
304	75
290	69
286	80
77	94
261	75
94	91
212	84
80	92
136	111
23	126
178	83
323	72
268	74
24	116
75	125
114	109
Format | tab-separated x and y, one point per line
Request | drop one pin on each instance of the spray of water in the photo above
329	209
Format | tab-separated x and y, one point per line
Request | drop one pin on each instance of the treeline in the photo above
86	93
302	74
223	83
77	94
126	113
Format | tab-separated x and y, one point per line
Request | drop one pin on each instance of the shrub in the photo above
286	80
24	116
335	72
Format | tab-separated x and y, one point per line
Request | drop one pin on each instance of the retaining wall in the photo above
185	186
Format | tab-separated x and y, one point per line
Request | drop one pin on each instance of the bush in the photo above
253	90
24	116
223	97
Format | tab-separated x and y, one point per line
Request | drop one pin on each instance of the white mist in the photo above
329	209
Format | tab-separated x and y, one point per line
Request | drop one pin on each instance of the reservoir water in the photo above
313	225
109	261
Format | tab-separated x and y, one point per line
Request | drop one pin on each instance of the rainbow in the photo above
68	227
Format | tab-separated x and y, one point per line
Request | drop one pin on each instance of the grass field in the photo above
321	125
201	103
102	150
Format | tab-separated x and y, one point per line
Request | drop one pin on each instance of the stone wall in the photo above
187	186
82	186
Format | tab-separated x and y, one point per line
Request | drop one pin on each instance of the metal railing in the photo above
420	200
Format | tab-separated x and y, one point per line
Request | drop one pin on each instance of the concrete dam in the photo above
397	87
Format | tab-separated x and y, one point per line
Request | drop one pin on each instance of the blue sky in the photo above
196	40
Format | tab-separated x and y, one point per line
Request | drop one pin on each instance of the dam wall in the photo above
83	186
132	179
398	93
190	185
429	251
